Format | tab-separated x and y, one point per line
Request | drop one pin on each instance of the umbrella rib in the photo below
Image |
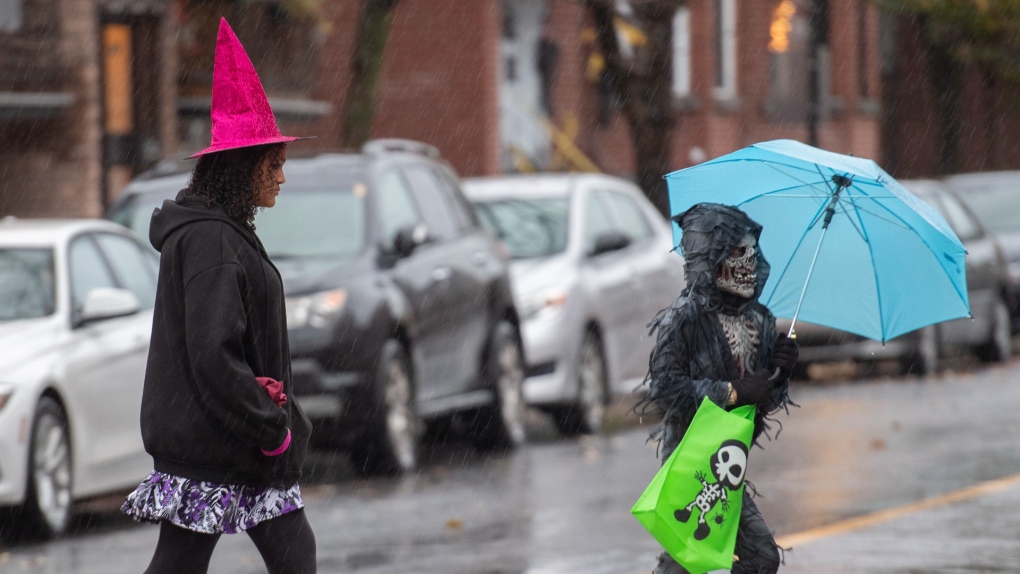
819	169
759	160
879	216
791	176
922	240
775	191
843	208
874	271
796	249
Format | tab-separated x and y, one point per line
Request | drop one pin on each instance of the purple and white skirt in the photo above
208	507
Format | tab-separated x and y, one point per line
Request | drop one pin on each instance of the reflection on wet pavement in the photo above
561	506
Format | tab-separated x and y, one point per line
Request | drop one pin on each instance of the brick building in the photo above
913	128
85	95
480	78
497	85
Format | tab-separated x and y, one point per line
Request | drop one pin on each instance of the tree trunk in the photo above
373	33
645	88
945	76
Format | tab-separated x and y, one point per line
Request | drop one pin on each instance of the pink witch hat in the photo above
241	116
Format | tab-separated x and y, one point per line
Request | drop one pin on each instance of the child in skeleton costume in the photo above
718	341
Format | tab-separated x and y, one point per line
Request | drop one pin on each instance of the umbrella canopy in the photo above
850	248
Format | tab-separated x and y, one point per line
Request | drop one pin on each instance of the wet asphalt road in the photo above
561	506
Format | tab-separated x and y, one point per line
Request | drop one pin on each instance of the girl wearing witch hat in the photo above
227	444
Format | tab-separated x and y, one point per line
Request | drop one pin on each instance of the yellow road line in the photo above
859	522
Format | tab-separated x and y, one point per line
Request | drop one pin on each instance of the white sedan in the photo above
592	264
76	301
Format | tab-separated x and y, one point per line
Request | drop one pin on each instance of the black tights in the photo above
286	544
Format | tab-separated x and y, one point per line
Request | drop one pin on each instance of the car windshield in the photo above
26	283
315	222
137	213
996	206
530	228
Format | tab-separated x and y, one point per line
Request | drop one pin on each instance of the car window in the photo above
629	217
26	283
596	220
434	201
88	270
961	221
132	267
316	221
997	205
461	206
528	227
136	214
396	206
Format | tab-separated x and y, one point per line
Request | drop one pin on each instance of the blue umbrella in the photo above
850	248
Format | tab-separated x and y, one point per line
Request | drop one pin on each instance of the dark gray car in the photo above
399	305
987	333
994	197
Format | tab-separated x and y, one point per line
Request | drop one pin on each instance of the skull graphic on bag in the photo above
728	466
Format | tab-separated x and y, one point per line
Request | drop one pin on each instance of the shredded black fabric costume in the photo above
692	358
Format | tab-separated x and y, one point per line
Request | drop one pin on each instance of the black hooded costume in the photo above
696	356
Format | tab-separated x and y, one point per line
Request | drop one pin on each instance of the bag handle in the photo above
745	412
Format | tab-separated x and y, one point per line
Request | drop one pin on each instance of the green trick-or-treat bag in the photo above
692	506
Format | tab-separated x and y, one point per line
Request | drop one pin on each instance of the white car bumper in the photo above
548	344
15	423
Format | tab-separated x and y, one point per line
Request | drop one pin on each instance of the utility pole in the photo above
818	38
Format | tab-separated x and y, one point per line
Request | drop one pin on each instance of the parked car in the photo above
987	333
592	264
76	301
994	197
399	305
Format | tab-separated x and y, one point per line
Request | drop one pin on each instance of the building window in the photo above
789	31
10	15
725	49
682	52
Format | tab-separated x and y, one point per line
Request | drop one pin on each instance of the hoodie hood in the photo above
710	232
186	209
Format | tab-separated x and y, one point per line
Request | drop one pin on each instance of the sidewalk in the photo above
976	529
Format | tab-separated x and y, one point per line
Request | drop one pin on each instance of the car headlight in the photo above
317	310
5	395
541	302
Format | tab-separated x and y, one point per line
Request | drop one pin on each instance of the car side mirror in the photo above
409	238
610	241
107	303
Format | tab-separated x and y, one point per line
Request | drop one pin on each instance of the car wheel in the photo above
587	416
500	426
47	509
999	346
924	359
390	444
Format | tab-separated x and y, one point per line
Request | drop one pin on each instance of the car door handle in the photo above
441	274
479	258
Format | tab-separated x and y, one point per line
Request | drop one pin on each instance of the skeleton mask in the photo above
737	274
729	464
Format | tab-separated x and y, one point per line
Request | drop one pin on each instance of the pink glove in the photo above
274	389
280	449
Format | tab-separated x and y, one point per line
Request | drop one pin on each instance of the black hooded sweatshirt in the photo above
219	322
691	358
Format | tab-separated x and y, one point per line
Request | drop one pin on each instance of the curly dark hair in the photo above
227	178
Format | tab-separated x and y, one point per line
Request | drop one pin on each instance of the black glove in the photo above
754	389
785	354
